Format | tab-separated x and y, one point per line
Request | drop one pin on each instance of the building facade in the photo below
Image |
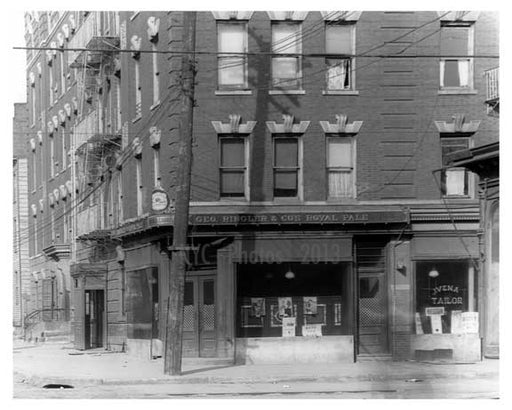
320	226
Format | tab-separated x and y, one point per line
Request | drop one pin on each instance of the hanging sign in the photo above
288	326
159	200
310	305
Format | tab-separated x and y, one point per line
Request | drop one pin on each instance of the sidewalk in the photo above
44	364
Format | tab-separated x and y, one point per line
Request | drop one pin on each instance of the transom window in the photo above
286	69
232	68
339	46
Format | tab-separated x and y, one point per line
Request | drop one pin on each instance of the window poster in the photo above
436	323
310	305
456	320
312	330
285	307
288	327
470	322
257	307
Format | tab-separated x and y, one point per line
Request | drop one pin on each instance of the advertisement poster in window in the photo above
257	307
288	327
285	307
310	305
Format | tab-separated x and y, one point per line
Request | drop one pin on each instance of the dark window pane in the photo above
208	292
368	288
232	153
285	183
232	183
189	294
286	152
451	73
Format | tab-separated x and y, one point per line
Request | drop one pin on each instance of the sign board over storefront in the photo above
300	218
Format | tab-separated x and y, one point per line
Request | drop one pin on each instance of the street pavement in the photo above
102	374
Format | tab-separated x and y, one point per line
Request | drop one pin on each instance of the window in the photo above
50	82
286	70
232	68
233	167
156	165
138	91
33	101
454	181
52	157
446	290
456	72
340	167
139	186
339	45
62	73
64	153
156	75
286	167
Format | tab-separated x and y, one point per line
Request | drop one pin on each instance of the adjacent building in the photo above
325	220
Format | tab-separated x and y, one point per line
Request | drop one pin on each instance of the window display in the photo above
445	297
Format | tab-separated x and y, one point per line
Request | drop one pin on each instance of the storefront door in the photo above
199	317
94	308
372	299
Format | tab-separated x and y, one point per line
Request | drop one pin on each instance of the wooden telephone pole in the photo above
179	249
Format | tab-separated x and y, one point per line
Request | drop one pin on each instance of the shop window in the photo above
286	167
339	47
286	70
232	68
454	181
456	40
446	297
233	167
317	296
340	167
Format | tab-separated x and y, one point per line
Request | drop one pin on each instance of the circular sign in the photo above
159	200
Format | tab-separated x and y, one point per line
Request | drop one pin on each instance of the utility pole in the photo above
179	249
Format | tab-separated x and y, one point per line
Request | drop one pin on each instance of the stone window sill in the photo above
457	91
340	92
289	92
233	92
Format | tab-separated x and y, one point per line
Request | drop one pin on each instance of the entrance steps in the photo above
374	358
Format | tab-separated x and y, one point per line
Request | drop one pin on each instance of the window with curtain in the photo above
233	167
340	167
286	69
286	167
454	181
456	71
339	45
232	68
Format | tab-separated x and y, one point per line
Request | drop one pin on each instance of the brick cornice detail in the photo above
233	126
459	125
341	126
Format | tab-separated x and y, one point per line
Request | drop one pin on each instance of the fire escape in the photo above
97	142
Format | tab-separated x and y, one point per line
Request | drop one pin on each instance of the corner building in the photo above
325	224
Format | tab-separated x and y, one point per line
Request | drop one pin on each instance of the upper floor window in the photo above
456	40
339	47
287	169
286	69
232	68
454	181
340	167
233	167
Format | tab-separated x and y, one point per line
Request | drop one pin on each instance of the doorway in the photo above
199	330
94	318
372	299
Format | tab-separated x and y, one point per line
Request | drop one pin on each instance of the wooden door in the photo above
199	338
94	311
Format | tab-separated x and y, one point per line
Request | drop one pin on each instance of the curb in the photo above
84	381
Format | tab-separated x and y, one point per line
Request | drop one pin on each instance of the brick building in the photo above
314	211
